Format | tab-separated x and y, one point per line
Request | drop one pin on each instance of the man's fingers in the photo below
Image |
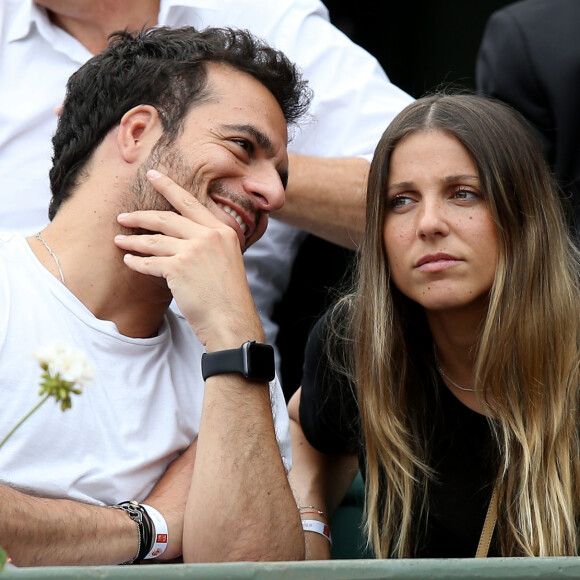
182	200
156	245
172	192
165	222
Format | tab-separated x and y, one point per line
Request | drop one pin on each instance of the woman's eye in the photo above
399	201
465	194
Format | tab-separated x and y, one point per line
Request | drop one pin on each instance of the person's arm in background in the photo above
317	479
354	101
325	197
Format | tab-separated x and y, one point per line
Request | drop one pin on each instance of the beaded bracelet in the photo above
311	509
315	510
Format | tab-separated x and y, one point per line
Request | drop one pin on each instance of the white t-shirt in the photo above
353	103
142	409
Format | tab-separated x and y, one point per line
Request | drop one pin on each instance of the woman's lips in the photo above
436	262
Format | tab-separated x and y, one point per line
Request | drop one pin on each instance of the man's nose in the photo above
266	186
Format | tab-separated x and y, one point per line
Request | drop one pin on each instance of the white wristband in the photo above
160	533
318	528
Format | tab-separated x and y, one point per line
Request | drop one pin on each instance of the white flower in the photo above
69	362
63	368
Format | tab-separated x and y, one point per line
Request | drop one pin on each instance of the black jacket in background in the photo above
530	58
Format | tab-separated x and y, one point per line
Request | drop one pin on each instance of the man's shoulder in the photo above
11	242
15	253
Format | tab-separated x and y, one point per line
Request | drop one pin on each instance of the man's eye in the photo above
244	144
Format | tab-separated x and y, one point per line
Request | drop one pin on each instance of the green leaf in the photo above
3	558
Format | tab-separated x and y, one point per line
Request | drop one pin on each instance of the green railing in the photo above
351	562
492	568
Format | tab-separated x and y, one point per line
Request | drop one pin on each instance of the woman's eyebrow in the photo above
463	177
400	186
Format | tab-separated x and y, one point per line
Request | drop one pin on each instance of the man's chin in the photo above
256	235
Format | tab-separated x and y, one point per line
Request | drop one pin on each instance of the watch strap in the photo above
253	360
222	361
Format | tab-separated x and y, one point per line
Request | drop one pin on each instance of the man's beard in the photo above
141	195
168	159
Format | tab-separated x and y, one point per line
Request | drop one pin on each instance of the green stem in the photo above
35	408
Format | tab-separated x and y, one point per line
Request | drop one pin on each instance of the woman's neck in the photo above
455	338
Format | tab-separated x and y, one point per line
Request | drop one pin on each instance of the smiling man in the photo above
169	155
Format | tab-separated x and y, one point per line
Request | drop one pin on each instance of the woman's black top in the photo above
460	451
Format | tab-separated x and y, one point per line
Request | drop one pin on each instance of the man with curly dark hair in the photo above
169	155
43	42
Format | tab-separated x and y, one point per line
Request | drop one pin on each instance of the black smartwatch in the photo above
252	360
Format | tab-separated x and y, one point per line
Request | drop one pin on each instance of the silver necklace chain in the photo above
41	240
449	380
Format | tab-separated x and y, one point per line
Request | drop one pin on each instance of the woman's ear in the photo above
140	128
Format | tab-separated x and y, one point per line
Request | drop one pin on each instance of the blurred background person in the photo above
530	58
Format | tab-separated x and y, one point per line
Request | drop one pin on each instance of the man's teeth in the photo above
235	215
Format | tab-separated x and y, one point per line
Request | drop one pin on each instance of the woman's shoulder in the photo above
328	406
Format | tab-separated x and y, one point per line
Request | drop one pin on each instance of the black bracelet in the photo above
147	539
144	526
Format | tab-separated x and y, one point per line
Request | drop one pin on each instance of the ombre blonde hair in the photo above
527	362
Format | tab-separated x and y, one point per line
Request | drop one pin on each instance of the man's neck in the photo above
91	22
95	273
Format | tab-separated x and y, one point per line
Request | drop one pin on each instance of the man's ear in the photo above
139	130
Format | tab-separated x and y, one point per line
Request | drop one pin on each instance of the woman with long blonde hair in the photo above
451	372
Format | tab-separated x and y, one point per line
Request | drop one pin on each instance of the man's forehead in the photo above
226	82
242	103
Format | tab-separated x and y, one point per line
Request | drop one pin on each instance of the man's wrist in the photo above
136	514
152	532
125	527
252	360
226	339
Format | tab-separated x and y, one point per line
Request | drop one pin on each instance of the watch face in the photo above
261	361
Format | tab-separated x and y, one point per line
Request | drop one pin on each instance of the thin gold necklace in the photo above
41	240
444	376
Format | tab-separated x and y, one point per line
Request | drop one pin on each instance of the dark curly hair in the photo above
165	68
